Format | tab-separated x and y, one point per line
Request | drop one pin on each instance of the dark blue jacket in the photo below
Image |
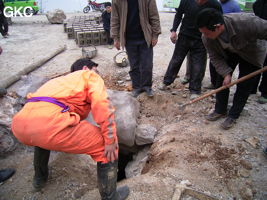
106	20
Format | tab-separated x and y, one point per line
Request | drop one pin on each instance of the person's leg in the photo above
5	24
134	60
198	67
40	162
110	40
243	89
254	89
223	96
146	67
84	138
2	25
186	78
107	182
180	51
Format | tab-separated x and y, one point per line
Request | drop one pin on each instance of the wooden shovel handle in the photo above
228	86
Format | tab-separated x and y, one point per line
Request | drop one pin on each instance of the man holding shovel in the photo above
231	40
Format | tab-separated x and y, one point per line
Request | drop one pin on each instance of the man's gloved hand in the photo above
111	151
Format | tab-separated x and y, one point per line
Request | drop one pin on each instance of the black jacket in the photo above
187	13
106	20
260	8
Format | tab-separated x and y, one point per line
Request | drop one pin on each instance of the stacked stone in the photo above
86	30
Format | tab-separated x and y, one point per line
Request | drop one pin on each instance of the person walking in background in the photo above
3	21
53	119
135	25
260	9
106	15
231	40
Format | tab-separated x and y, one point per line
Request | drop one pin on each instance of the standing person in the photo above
231	40
106	15
53	119
216	5
230	6
260	9
189	40
202	4
3	21
135	25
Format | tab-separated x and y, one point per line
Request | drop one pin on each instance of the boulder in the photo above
145	134
56	16
126	114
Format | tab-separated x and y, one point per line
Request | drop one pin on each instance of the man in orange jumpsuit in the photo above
53	119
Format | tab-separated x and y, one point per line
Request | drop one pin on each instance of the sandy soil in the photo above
220	163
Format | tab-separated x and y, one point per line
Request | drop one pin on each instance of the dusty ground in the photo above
217	162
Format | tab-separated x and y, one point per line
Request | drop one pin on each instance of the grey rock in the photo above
135	167
56	16
246	193
246	164
126	114
145	134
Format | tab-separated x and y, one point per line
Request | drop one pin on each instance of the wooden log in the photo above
10	80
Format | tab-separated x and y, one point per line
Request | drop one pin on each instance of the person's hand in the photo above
117	44
111	151
173	37
227	80
154	42
1	50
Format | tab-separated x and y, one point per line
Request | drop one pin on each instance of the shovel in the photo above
182	107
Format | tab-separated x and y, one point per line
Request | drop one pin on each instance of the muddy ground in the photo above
225	164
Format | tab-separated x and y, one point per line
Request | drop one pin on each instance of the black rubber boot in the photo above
6	174
107	182
41	158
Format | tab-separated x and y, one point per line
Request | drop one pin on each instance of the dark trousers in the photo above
242	90
198	59
213	74
110	40
3	25
263	84
141	63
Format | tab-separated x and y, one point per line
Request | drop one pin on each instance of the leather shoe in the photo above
136	92
214	116
6	174
163	87
228	123
149	92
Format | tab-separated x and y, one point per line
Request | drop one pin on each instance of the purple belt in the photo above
50	100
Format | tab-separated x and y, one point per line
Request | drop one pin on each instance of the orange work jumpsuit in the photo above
43	124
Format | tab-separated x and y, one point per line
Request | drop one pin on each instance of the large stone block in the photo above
56	16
